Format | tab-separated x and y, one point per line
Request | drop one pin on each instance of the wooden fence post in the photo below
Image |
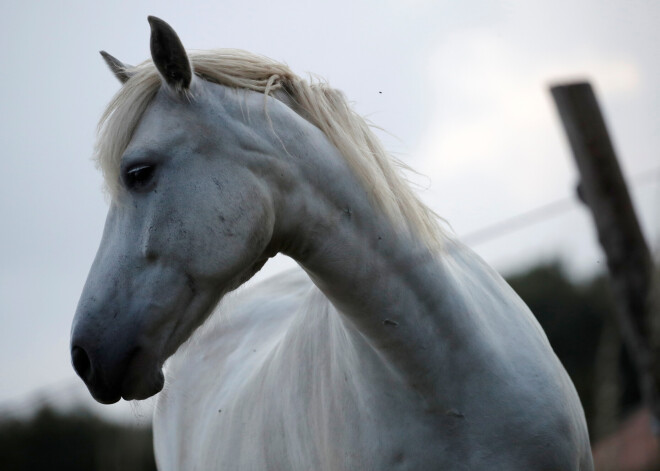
629	260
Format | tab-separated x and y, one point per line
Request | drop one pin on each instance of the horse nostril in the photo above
81	363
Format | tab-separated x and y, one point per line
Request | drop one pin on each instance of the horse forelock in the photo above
324	106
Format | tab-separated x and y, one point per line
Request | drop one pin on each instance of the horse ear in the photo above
169	55
122	71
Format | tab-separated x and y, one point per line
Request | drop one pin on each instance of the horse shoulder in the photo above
523	394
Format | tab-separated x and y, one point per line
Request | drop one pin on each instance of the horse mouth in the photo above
142	377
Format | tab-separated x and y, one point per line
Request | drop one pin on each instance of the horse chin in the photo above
143	379
105	396
145	388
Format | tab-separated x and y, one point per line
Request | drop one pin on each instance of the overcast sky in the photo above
461	88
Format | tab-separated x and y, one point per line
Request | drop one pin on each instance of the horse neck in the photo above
387	284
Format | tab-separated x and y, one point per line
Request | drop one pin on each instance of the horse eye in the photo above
138	177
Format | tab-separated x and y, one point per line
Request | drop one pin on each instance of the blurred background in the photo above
461	90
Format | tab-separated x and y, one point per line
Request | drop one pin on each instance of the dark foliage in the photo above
573	315
71	442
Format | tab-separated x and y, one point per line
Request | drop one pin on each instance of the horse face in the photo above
192	220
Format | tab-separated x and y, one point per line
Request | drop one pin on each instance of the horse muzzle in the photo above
135	375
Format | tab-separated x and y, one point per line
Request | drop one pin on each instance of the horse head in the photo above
190	219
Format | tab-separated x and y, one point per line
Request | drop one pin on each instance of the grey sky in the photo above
462	86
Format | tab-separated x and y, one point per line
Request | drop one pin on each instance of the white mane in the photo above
325	107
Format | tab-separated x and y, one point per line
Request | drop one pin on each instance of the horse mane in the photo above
320	104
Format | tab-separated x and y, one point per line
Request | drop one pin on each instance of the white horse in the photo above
392	347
